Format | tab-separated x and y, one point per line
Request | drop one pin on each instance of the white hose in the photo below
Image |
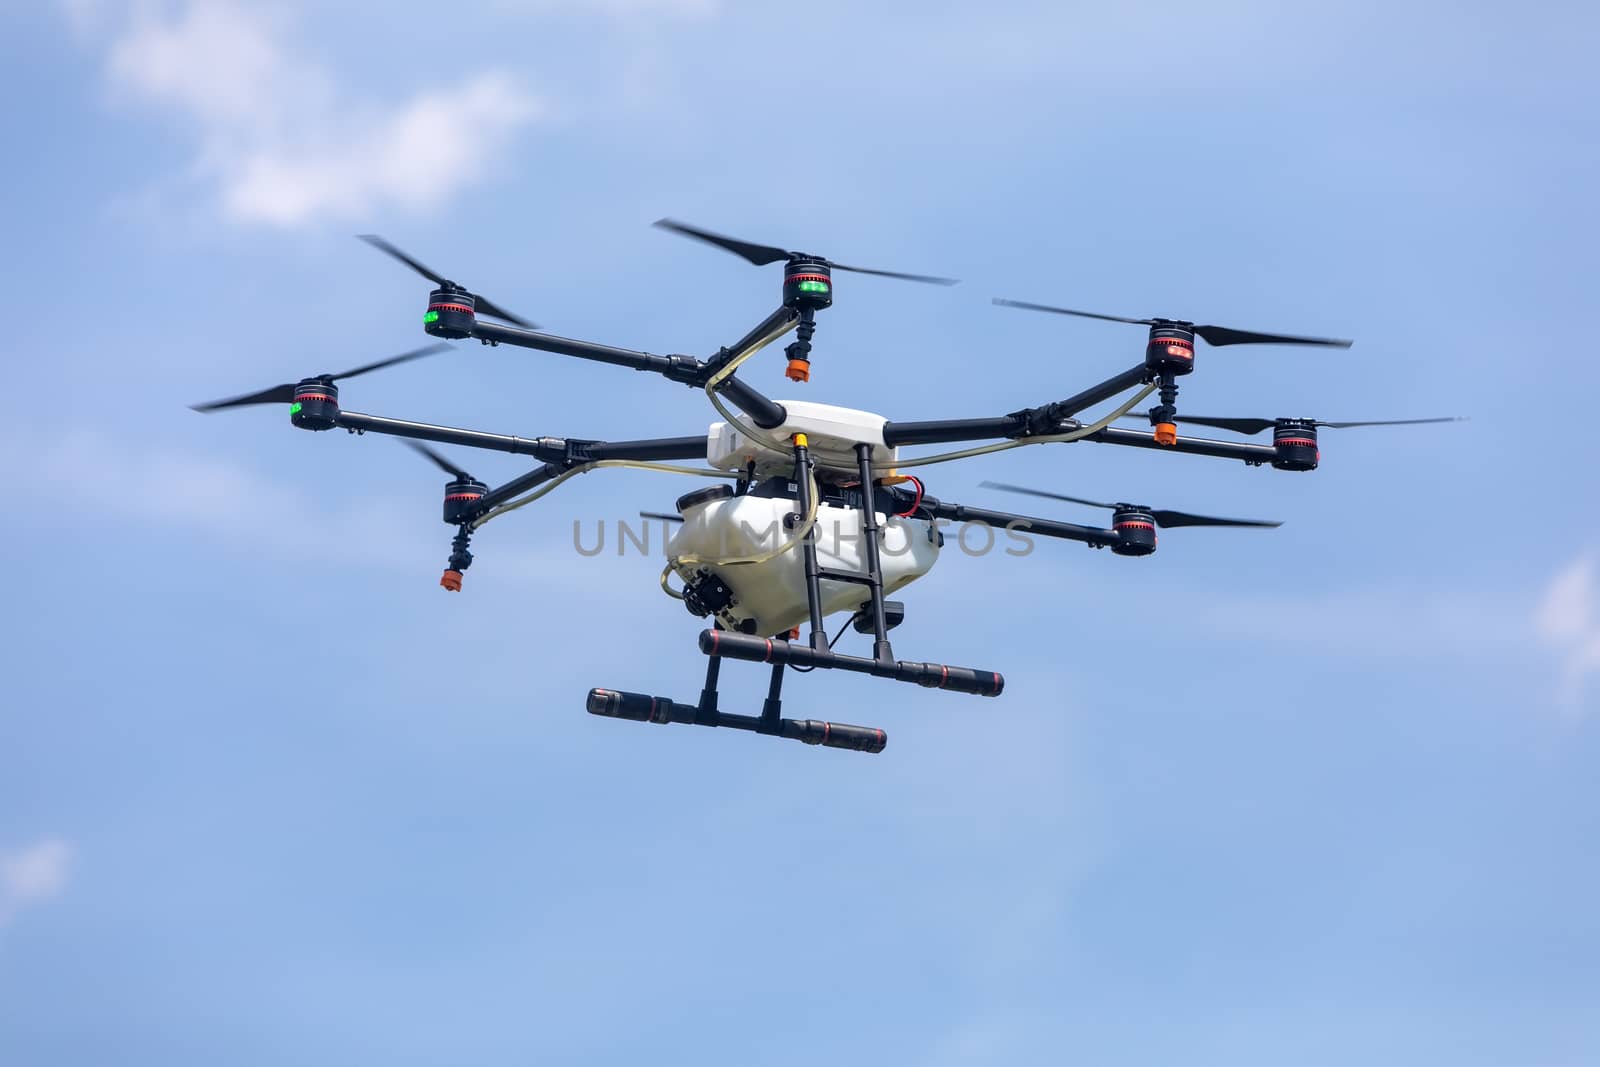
1055	438
584	468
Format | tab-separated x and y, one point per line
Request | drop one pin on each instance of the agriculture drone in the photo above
820	519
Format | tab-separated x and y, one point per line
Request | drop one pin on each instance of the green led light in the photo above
813	287
294	409
432	316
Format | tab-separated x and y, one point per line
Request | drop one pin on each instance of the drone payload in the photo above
821	517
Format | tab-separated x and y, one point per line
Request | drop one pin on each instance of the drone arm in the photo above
680	368
1194	446
1089	535
652	449
550	449
1029	422
939	431
771	328
517	486
685	369
1065	409
546	448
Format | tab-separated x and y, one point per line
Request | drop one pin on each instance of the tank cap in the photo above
702	496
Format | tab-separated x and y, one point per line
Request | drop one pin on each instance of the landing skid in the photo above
816	653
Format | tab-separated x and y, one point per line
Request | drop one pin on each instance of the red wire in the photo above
915	503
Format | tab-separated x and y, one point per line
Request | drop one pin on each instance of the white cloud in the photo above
1569	620
280	140
32	874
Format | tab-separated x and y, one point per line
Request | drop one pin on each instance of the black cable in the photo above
807	670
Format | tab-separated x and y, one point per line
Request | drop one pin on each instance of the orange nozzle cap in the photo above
799	370
451	581
1166	433
794	633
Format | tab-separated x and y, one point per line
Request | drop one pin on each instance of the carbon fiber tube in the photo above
835	735
776	650
637	707
641	707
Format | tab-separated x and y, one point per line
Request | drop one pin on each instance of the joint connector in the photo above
688	370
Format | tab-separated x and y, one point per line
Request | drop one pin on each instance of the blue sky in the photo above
1321	794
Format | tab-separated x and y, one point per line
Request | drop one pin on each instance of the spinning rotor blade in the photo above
1025	305
930	279
1254	426
384	246
663	516
762	255
438	460
405	357
283	394
1166	519
1044	493
278	394
1244	426
1391	422
483	303
1172	519
1216	336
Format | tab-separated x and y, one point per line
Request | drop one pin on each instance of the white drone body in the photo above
772	593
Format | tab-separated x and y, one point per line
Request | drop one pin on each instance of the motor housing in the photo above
461	497
1136	531
1296	443
451	314
1170	349
315	405
807	283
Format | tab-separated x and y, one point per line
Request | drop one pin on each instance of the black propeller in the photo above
283	394
484	304
438	460
663	516
761	255
1212	335
1164	519
1255	426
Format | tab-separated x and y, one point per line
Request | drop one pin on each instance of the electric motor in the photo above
461	498
316	405
1136	531
1296	443
1170	349
451	314
807	283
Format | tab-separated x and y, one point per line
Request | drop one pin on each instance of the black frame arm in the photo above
562	450
1029	422
687	370
1194	446
1069	531
517	486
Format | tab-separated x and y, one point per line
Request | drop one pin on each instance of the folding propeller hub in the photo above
452	313
461	496
1296	443
1136	530
1170	349
807	283
315	405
